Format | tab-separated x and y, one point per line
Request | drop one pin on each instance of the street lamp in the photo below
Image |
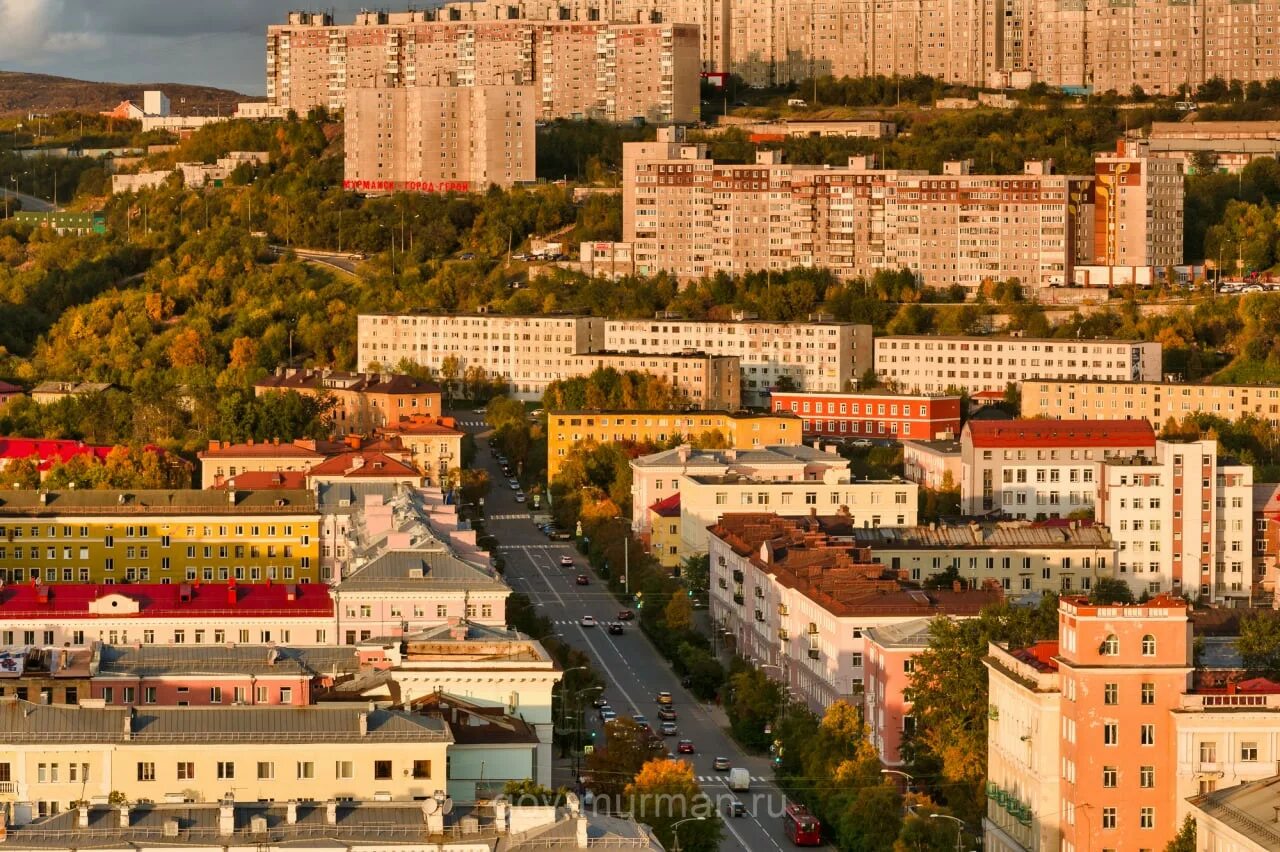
959	826
910	778
581	718
675	830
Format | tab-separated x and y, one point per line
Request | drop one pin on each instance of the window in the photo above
266	770
186	770
1249	752
1110	646
1148	693
1110	693
1147	777
286	695
1147	818
226	769
1110	734
149	694
306	769
422	769
146	772
215	695
1109	818
1148	645
1208	752
1108	776
343	769
381	770
1148	734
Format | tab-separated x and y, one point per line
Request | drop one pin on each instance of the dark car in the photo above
737	808
583	580
615	628
721	764
685	747
666	714
560	535
625	615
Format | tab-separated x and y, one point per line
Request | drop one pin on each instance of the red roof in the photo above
253	480
668	507
988	394
270	449
49	452
359	464
155	600
1061	433
1039	656
6	388
423	426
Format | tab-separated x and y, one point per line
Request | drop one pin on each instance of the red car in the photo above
685	747
625	615
583	580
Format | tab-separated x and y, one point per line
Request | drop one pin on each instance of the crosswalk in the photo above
472	423
512	516
560	546
707	779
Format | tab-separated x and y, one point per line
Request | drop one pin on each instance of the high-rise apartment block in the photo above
1182	519
598	68
692	216
1158	402
438	138
1138	208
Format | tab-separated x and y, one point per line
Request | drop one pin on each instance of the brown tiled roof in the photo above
316	380
1061	433
362	464
271	449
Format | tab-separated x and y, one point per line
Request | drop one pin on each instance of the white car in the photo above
519	496
588	621
566	561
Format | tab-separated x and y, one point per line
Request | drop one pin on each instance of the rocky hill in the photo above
21	92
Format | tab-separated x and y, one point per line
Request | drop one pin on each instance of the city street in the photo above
632	667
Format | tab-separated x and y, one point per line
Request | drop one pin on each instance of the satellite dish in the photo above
429	806
447	807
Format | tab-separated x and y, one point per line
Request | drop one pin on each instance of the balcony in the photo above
737	575
783	635
815	654
738	598
8	788
759	616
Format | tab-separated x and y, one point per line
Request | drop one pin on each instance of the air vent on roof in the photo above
469	825
171	828
415	574
258	825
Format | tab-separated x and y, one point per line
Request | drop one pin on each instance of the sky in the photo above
206	42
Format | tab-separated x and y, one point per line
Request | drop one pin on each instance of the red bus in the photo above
802	827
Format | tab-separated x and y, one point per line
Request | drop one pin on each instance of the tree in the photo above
1110	590
1259	644
530	792
679	613
1185	839
664	793
472	482
614	765
22	473
754	703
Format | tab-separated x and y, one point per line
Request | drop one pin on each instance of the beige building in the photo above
707	381
934	364
1157	402
578	68
1230	145
819	355
1138	208
689	215
436	138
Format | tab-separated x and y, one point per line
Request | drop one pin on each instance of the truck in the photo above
739	779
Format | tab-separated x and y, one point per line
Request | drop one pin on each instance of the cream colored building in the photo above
436	138
1157	402
61	754
1182	519
1231	145
1138	208
691	216
932	363
819	355
601	68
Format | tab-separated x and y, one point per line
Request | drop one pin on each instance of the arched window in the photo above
1148	645
1110	646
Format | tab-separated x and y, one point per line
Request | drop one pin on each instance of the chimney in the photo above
500	809
226	817
124	816
82	816
215	445
128	725
582	833
231	494
291	812
331	812
231	594
955	585
364	724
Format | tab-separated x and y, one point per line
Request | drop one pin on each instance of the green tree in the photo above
678	613
1110	590
1185	839
755	701
1259	644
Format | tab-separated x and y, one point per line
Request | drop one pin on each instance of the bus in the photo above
802	827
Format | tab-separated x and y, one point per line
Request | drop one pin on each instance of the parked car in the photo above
862	443
560	535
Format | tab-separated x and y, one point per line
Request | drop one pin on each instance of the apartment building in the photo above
662	520
819	355
694	217
605	68
1238	817
799	602
703	380
1229	145
439	138
58	755
224	459
932	464
889	662
434	444
937	364
1157	402
169	536
1266	539
1138	208
1182	518
740	431
872	414
362	401
1042	468
529	352
1020	557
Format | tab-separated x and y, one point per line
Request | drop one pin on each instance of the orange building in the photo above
364	401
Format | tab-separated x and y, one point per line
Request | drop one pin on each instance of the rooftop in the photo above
301	449
70	387
233	659
23	721
257	480
158	600
1008	338
907	634
336	380
48	451
652	412
143	502
1060	433
872	392
422	426
1042	656
1000	534
363	464
943	447
400	569
1249	809
686	456
667	507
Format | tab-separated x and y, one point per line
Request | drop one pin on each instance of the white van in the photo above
739	779
796	102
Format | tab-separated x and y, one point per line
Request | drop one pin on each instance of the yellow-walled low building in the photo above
739	430
159	536
664	531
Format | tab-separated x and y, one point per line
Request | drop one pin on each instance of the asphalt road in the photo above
633	669
29	202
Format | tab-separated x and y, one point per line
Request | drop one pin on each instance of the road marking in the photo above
728	823
510	517
613	677
538	568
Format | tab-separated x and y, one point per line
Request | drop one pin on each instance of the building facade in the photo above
1042	468
888	660
159	536
439	138
817	355
1157	402
363	402
1138	209
1228	145
872	414
932	464
1183	521
740	431
601	68
940	364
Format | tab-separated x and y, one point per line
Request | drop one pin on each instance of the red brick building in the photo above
872	414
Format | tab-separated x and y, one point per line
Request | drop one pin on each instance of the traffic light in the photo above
689	592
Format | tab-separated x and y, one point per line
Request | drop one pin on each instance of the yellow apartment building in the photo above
741	431
159	536
1155	402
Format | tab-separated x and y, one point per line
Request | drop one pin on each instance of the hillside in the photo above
21	92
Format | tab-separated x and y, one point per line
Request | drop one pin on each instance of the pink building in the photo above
8	392
889	661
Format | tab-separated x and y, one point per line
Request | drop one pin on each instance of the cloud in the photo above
27	25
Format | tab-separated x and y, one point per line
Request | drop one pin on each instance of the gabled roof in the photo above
189	660
1248	809
336	380
404	569
6	388
256	480
303	449
143	502
668	507
175	600
1061	433
363	464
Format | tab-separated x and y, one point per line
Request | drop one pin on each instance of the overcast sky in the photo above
208	42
